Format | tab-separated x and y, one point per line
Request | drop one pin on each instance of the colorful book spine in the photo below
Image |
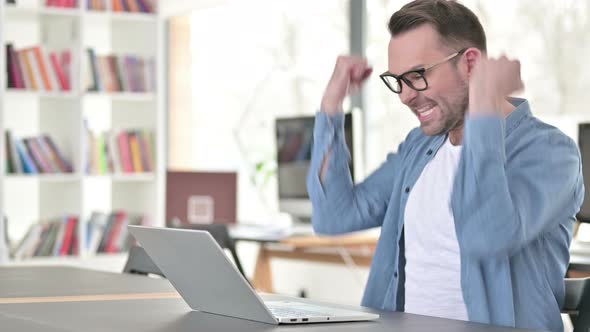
29	166
15	68
65	165
125	152
135	152
43	68
59	71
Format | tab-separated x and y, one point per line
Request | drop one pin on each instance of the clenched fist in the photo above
349	74
492	80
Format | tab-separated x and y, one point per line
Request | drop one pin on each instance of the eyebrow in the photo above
416	67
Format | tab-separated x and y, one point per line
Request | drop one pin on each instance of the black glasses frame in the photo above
420	71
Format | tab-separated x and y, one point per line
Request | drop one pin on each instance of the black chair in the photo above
221	235
577	302
139	262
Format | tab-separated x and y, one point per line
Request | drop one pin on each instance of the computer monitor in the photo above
584	142
294	138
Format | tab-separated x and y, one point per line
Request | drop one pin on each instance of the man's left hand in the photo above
493	80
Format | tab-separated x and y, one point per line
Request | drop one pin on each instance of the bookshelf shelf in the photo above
71	117
44	177
66	12
20	93
123	96
133	17
140	177
143	177
118	16
12	10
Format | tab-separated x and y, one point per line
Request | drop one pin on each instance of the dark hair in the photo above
456	24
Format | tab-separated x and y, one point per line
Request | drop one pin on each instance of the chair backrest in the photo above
222	237
577	301
139	262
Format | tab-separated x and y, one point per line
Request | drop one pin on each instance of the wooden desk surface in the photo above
311	241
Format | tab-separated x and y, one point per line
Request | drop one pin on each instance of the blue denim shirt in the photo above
516	193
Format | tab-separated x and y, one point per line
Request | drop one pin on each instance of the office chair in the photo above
221	236
577	302
139	262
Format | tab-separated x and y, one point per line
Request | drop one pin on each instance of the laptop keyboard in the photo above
296	313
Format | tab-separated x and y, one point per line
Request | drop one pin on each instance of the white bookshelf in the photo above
26	199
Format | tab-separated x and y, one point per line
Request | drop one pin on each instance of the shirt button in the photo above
407	190
429	152
395	274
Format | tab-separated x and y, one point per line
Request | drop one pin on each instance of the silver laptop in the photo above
208	281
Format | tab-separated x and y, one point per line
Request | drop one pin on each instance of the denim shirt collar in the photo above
522	110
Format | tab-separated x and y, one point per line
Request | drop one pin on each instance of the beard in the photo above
452	107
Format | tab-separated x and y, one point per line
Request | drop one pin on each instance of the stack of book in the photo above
56	237
108	233
124	73
125	151
99	5
34	155
61	3
134	6
34	68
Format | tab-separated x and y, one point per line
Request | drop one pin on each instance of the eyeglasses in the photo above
414	78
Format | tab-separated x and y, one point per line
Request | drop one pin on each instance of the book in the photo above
29	71
10	168
68	236
65	165
43	68
122	73
59	71
16	161
38	158
135	152
96	83
29	166
9	78
125	151
14	68
48	155
59	239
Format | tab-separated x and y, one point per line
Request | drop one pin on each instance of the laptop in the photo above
209	282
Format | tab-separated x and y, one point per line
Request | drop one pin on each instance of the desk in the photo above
354	250
158	314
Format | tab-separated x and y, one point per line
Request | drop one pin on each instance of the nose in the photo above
408	94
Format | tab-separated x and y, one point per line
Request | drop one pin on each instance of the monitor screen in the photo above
584	142
294	144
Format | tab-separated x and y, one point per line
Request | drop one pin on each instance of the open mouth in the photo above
426	112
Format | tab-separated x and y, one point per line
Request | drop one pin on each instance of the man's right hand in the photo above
349	74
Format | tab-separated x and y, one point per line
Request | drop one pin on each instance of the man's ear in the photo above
472	57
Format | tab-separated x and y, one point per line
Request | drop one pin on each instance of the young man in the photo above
477	206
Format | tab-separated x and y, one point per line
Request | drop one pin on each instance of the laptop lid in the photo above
200	271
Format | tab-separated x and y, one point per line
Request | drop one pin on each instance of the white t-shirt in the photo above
433	263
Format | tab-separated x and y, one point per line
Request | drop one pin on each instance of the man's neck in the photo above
456	136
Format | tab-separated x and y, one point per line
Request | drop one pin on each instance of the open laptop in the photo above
208	281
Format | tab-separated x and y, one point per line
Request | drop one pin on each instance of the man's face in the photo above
442	106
